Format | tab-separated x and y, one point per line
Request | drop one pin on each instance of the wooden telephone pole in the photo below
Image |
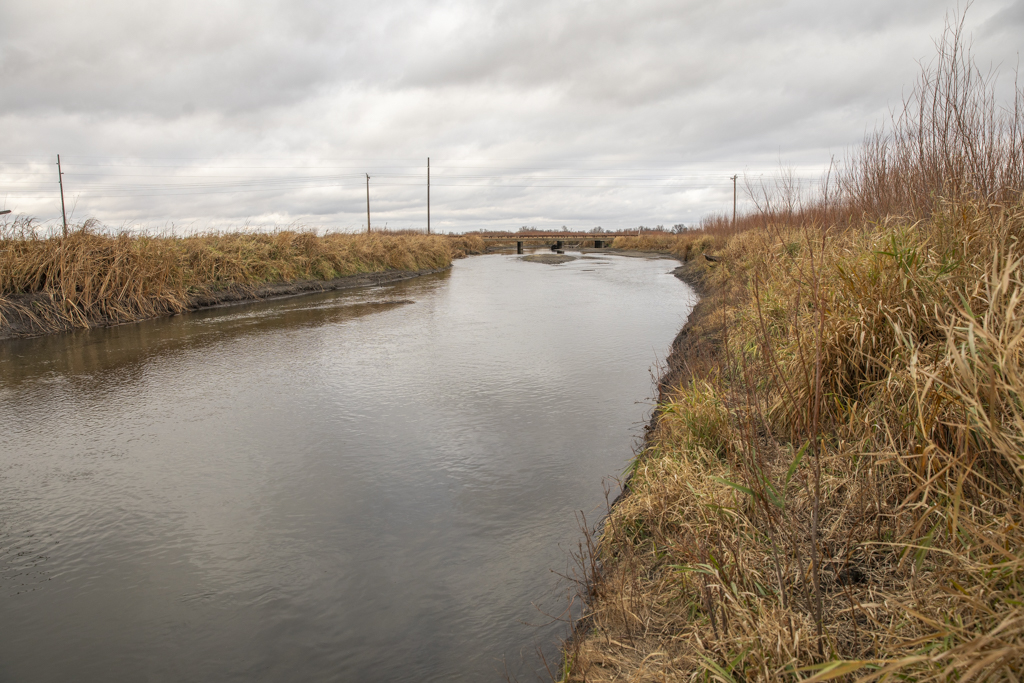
428	195
367	202
60	179
734	200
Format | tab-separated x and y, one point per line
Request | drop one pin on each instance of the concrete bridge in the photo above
557	240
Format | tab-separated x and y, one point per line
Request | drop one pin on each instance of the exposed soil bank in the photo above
238	294
699	340
25	311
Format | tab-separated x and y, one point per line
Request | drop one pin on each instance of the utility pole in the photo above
734	201
368	202
428	195
60	179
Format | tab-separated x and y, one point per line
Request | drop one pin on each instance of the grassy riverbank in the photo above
95	277
832	487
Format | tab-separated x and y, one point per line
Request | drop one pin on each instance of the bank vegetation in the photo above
94	276
832	485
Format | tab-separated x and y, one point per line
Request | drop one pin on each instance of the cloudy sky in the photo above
205	114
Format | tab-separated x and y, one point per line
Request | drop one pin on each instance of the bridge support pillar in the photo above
519	247
598	244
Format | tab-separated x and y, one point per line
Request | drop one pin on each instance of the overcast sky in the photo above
224	113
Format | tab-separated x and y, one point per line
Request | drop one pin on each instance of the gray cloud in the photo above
635	112
1009	19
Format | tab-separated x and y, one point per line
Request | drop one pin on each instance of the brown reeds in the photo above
93	277
951	142
838	493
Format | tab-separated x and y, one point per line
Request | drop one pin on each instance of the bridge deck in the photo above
556	236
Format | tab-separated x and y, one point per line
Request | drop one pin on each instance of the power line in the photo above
175	192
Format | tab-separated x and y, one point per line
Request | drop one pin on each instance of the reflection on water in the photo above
372	485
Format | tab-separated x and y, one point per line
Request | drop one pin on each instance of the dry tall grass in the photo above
96	277
834	488
712	234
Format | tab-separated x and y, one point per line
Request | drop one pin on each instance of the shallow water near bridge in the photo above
371	485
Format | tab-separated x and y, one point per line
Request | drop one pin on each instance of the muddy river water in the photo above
369	485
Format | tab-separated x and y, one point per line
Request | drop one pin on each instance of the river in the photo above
368	485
